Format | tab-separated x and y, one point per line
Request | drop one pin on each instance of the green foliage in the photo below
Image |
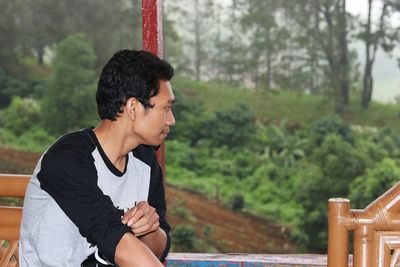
233	127
10	87
69	102
325	126
18	117
376	181
181	213
285	171
339	161
35	139
190	119
183	238
280	145
298	108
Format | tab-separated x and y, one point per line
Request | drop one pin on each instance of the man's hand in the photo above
143	219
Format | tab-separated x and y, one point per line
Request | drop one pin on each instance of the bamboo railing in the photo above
10	218
376	232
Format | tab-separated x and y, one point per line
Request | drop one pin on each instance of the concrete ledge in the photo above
245	260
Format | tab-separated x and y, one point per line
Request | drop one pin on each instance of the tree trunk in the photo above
197	41
269	70
40	55
371	46
314	66
367	79
343	61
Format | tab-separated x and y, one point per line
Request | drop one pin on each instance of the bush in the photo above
35	139
233	127
320	128
238	202
10	87
183	238
20	115
374	182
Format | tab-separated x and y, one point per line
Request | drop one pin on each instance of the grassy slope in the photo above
297	108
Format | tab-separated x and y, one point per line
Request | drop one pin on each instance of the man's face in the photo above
153	125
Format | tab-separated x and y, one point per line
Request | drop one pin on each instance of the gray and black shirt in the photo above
75	200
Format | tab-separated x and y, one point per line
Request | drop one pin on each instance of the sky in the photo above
386	70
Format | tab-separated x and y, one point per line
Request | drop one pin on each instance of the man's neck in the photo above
114	142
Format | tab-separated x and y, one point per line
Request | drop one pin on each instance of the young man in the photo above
96	196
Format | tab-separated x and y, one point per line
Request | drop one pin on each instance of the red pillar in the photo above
153	42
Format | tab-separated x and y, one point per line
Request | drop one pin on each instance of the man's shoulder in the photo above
77	139
71	145
70	154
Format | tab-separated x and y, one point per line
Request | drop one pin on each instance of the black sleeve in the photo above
156	196
69	176
157	200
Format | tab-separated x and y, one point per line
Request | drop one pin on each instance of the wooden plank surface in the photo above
13	185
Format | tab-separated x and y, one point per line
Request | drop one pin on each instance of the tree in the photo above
332	37
69	101
202	11
109	26
259	20
229	47
9	37
196	21
302	59
30	27
174	43
324	35
383	36
42	25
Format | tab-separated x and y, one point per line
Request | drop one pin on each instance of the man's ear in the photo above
130	107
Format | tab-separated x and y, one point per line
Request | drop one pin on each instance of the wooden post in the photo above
363	246
338	235
153	42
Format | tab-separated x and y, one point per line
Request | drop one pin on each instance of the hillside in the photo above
296	107
221	229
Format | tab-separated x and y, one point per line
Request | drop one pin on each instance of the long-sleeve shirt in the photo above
75	200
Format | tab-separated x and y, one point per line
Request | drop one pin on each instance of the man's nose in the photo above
171	119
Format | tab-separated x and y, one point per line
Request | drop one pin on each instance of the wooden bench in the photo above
11	185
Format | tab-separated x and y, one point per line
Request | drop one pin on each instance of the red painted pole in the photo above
153	42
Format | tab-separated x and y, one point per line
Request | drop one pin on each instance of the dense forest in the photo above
274	114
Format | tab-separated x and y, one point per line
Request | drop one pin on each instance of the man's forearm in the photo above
156	241
130	252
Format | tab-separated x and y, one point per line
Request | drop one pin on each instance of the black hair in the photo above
130	73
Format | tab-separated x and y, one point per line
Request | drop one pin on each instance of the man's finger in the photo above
128	215
153	219
139	213
145	229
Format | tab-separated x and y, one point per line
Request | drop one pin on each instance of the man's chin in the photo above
157	145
